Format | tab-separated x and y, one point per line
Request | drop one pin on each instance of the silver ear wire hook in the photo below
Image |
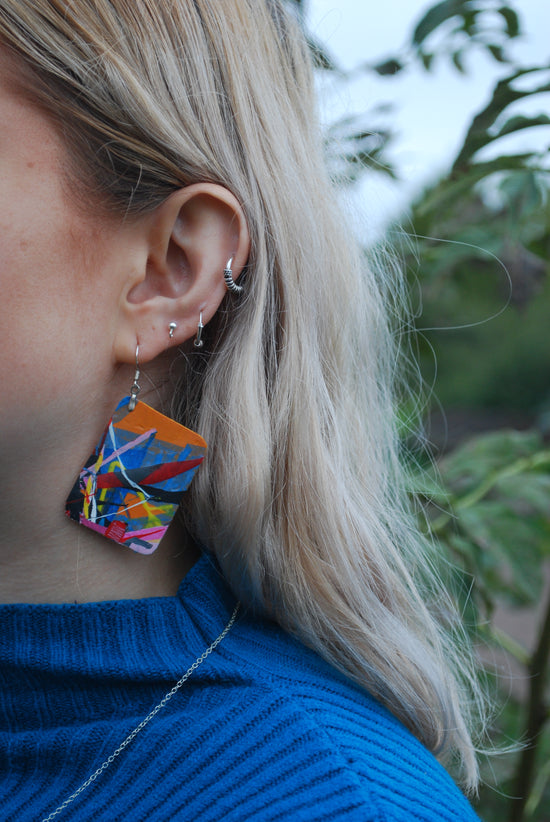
229	281
198	342
171	328
136	388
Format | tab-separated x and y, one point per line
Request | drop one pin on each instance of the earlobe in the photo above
191	237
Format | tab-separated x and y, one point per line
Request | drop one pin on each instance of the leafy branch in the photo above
537	717
452	29
497	528
487	502
521	466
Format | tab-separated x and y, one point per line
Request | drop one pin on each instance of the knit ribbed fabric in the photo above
264	730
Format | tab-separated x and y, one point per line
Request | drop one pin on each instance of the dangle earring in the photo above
131	485
229	281
198	342
171	328
136	388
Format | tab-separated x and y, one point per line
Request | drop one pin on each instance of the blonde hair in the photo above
302	497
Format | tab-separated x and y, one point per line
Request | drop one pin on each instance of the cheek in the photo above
55	331
36	288
56	292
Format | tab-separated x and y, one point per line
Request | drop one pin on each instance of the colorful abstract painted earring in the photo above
131	485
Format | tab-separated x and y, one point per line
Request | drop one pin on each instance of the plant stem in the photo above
520	466
510	645
537	716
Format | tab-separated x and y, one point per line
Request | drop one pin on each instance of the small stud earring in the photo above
229	281
198	342
171	328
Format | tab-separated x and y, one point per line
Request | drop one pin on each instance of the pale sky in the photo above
432	109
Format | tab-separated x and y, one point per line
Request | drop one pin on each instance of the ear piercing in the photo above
136	388
231	285
198	342
229	281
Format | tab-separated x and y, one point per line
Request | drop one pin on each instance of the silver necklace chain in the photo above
130	738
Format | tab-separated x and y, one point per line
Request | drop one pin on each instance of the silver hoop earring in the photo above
136	388
171	328
229	281
198	341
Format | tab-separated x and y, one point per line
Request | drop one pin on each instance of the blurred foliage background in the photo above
480	238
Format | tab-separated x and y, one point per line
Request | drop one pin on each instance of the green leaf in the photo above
464	469
465	549
427	59
454	189
457	60
321	58
512	21
498	53
537	792
470	22
426	484
510	551
351	149
525	191
480	133
529	495
435	16
520	122
388	67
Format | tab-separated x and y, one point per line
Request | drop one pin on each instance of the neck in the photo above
44	557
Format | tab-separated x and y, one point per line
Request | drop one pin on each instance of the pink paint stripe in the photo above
147	532
140	549
92	525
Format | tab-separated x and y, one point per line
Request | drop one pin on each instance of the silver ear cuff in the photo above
229	281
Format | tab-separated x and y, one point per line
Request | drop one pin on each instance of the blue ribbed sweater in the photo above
264	730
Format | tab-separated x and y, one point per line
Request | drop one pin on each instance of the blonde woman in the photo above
170	243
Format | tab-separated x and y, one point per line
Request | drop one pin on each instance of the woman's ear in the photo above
190	238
